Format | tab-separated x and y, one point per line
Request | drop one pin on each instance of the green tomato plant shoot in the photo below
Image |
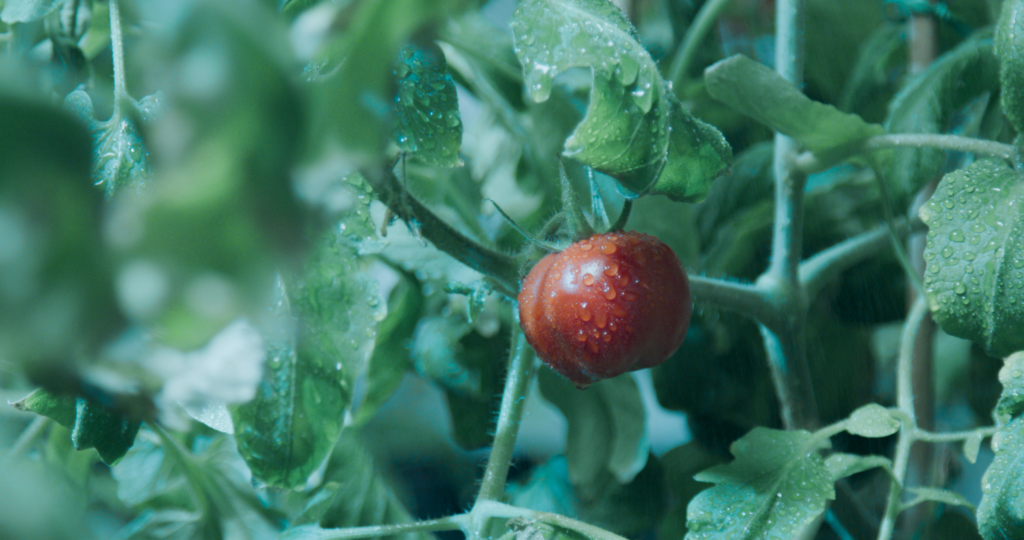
511	269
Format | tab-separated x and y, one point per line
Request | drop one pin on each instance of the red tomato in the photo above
613	303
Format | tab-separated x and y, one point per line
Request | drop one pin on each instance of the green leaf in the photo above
92	425
872	420
841	465
972	445
975	256
628	510
930	494
927	103
465	364
355	104
1011	401
681	464
1001	511
1009	49
390	359
288	430
778	485
359	497
57	297
121	156
427	107
762	94
634	130
22	11
607	429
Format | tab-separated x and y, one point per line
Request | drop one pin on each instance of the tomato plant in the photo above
262	269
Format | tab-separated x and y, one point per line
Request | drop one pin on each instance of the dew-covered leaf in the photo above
22	11
290	427
841	465
975	256
762	94
606	427
427	108
354	494
1001	511
633	129
930	494
1009	49
1011	401
121	159
927	103
92	425
355	104
778	485
872	420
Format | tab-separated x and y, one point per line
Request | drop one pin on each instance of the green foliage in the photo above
634	129
606	428
1000	514
975	258
20	11
927	103
92	424
123	158
762	94
778	485
872	420
1009	49
427	108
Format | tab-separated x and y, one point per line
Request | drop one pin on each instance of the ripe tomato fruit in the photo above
613	303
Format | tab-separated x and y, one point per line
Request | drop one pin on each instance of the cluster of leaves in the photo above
210	297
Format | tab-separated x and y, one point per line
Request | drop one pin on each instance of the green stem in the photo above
494	509
810	163
450	523
733	296
27	438
498	266
787	361
954	436
695	35
905	404
117	46
819	269
513	402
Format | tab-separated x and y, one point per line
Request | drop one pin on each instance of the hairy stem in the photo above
787	360
117	45
905	404
820	269
695	35
513	401
500	267
734	296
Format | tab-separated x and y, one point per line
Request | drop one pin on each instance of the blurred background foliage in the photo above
135	230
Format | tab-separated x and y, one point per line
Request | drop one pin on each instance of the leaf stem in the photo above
491	509
117	46
502	268
905	404
954	436
695	35
27	438
450	523
734	296
816	271
810	163
513	402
